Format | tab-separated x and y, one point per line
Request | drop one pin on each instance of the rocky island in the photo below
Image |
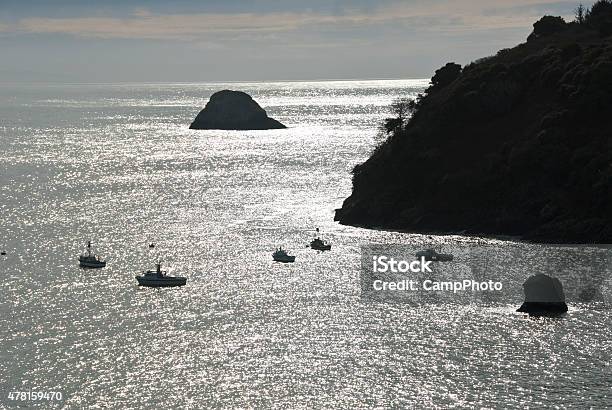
518	144
233	110
544	296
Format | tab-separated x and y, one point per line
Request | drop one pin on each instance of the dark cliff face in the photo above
519	144
233	110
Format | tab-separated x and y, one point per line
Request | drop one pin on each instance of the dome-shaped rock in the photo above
544	296
233	110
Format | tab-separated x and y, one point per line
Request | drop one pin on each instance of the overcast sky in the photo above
216	40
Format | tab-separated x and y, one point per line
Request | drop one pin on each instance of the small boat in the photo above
3	253
151	245
320	245
281	255
91	260
159	278
432	255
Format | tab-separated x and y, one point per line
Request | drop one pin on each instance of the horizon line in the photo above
51	82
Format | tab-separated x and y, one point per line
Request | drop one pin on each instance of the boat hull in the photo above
440	258
286	259
92	265
321	248
435	257
445	258
161	282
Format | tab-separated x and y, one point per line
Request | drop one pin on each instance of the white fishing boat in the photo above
90	259
159	278
281	255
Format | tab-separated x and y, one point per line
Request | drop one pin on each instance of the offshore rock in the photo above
233	110
544	296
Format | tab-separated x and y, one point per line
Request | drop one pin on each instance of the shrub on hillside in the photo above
546	26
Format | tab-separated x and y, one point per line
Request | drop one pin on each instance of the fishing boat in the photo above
91	260
281	255
432	255
319	244
159	278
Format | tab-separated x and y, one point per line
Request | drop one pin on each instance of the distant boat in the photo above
90	260
151	245
159	278
3	253
431	255
319	244
281	255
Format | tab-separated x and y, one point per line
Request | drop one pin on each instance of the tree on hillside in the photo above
403	108
600	8
580	13
546	26
446	75
599	16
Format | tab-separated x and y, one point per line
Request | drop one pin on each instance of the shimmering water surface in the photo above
118	165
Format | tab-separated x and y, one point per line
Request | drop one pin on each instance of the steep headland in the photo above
518	144
233	110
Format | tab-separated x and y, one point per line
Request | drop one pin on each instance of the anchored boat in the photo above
319	244
281	255
159	278
91	260
432	255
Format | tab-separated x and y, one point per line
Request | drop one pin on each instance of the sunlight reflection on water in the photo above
118	165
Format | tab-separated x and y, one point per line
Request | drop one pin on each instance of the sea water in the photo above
116	164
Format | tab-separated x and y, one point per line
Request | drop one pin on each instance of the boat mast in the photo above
88	248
